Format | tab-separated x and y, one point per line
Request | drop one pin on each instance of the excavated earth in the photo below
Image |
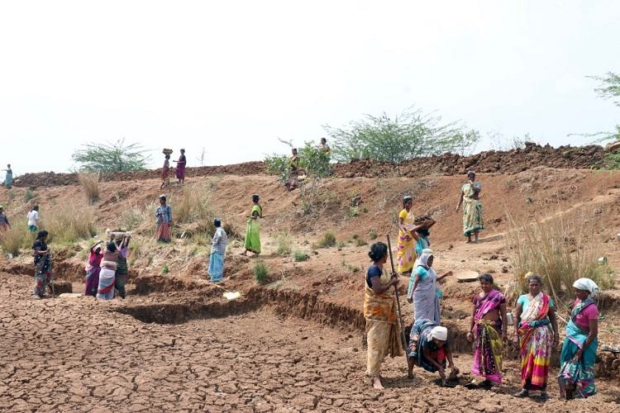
506	162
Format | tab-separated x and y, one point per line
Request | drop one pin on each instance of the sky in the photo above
234	76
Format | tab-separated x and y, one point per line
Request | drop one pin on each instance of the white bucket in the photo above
510	319
9	256
602	260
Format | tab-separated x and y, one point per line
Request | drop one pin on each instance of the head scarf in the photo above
586	284
426	254
439	333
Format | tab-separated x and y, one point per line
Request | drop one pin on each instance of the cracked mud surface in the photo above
81	355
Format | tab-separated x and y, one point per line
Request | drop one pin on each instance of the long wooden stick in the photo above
400	315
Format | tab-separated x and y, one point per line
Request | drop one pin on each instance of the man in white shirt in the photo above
33	219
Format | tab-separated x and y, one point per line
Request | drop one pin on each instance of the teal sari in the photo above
578	372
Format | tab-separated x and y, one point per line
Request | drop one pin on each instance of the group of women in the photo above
179	170
107	271
536	327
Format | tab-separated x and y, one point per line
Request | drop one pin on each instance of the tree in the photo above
111	157
609	89
411	134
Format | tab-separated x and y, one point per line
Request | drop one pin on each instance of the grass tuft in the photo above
261	272
328	240
300	256
90	186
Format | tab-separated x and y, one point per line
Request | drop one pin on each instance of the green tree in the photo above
609	89
111	157
411	134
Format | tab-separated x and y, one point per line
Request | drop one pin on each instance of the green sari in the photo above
252	232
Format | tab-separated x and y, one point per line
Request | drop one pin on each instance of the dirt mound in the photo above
509	162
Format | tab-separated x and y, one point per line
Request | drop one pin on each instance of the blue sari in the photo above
581	371
419	339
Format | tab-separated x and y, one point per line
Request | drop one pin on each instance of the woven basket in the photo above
167	151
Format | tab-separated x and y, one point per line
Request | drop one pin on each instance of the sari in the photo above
535	343
488	343
8	179
252	232
472	211
180	169
419	339
92	274
163	217
426	296
43	268
581	371
122	272
405	254
382	330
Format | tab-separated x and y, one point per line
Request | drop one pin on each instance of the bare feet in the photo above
376	383
410	375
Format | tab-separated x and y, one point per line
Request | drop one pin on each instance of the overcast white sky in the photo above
232	76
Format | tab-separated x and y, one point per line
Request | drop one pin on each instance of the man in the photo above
218	252
4	220
33	220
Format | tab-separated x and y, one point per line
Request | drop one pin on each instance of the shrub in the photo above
284	244
15	238
29	195
328	240
300	256
360	242
261	272
165	270
559	250
372	234
69	223
90	186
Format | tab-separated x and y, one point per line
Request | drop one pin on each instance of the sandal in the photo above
523	393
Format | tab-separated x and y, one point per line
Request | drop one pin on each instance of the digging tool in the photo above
400	315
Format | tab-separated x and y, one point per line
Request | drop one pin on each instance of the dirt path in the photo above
81	355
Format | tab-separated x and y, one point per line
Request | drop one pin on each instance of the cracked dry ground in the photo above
81	355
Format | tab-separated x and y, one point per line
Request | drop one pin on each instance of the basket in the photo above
167	151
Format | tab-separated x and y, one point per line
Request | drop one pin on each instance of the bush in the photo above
559	251
15	238
360	242
261	272
372	234
29	195
284	244
328	240
165	270
300	256
90	186
69	223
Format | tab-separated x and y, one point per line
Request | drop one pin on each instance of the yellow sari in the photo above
405	254
382	330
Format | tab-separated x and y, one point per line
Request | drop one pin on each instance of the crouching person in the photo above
429	348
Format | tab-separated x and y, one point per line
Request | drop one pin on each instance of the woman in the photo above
537	331
423	291
218	252
163	217
107	275
252	232
8	178
33	220
93	269
580	344
4	220
423	241
488	329
165	173
407	237
324	147
429	349
122	268
180	170
294	170
472	207
42	265
382	331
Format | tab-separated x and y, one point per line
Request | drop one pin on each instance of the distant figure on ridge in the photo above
33	220
324	147
472	207
8	178
165	173
294	170
180	170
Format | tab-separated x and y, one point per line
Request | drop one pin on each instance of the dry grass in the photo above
16	238
69	223
560	250
90	186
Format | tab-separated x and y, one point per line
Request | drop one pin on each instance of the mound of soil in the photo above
507	162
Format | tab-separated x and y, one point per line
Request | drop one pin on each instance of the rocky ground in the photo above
75	354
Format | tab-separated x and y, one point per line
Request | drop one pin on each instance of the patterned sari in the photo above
405	254
252	232
472	211
536	341
581	371
419	339
382	330
43	268
488	344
